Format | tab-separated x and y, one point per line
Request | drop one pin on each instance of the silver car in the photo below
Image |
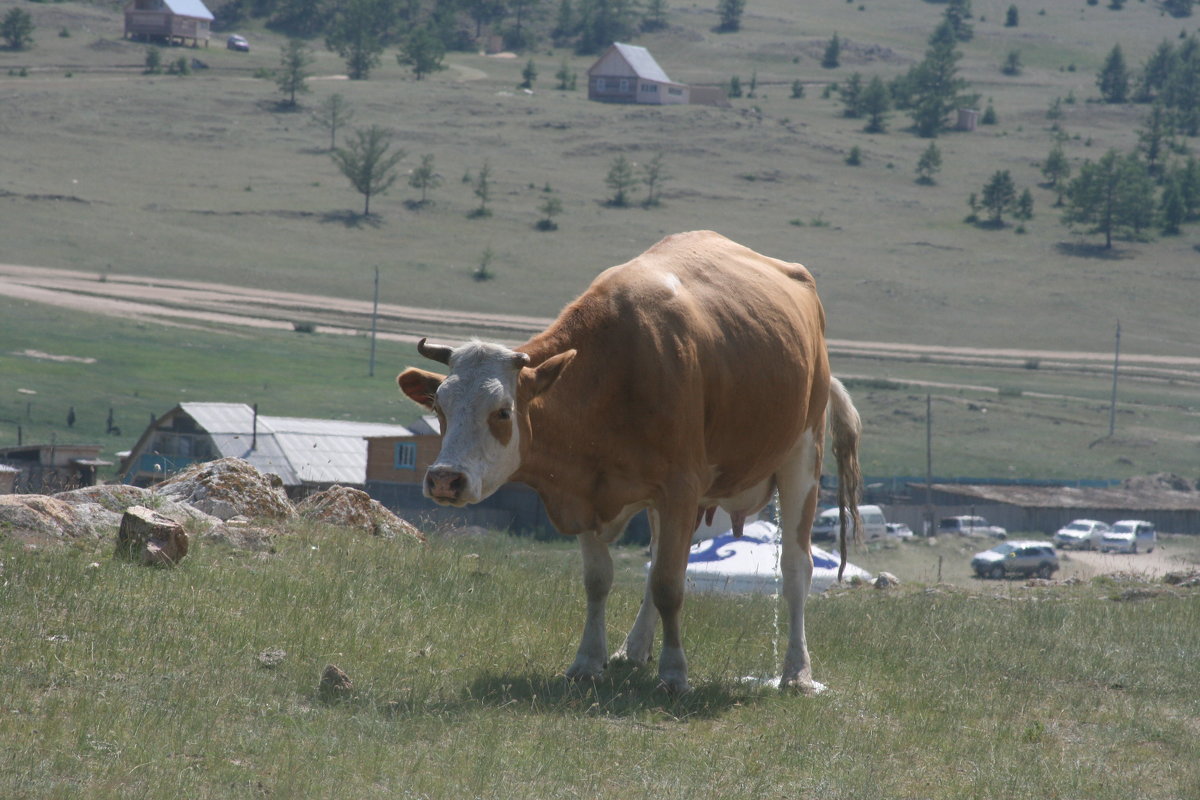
1081	534
1016	558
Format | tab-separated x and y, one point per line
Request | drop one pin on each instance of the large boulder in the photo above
227	488
117	497
354	508
36	517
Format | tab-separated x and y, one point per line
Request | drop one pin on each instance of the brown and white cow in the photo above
693	376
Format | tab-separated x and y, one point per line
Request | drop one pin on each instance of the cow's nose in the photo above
444	484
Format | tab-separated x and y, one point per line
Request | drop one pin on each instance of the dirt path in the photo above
1086	564
223	306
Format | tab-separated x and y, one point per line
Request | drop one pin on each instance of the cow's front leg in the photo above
640	641
591	659
667	575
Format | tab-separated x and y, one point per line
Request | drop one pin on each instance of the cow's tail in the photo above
846	427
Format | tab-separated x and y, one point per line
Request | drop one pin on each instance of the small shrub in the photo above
855	157
304	327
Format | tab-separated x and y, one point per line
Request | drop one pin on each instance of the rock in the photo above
335	683
231	486
151	538
41	517
117	497
886	580
272	657
241	536
1184	579
353	508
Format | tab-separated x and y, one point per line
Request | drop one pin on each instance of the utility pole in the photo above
374	318
1112	407
928	465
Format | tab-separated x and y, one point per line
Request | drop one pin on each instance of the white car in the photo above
970	526
827	527
1081	534
1130	536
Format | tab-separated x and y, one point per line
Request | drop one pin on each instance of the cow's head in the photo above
483	408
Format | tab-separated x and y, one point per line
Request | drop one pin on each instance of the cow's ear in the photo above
420	386
548	371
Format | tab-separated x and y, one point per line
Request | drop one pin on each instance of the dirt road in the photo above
1086	563
224	307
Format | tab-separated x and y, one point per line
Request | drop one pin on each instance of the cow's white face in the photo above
481	407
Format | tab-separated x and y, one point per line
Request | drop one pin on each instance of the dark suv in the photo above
1016	558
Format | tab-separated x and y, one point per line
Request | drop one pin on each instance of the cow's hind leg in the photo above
799	480
591	658
640	641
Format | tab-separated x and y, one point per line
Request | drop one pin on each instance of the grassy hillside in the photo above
107	169
123	681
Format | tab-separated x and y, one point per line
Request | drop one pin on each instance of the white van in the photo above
1130	536
827	527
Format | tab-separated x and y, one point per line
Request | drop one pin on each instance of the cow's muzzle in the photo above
445	485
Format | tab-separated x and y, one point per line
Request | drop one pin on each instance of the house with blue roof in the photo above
172	20
627	73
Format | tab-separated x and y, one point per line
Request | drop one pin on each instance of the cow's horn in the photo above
435	352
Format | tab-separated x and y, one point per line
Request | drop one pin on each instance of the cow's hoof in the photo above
802	684
581	672
674	684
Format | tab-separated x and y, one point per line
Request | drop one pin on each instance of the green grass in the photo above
123	681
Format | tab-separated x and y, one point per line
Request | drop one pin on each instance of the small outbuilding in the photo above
627	73
307	454
47	468
171	20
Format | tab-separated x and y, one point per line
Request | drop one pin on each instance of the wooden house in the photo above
626	73
171	20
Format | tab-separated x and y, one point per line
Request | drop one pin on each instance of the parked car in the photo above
239	43
1016	558
1081	534
899	530
1130	536
826	526
970	526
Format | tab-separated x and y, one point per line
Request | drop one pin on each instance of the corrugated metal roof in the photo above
644	65
189	8
297	449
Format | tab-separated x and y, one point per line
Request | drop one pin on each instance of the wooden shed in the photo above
626	73
170	20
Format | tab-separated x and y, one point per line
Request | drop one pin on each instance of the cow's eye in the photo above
503	413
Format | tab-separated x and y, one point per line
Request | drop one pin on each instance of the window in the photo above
600	87
406	455
674	91
624	84
650	87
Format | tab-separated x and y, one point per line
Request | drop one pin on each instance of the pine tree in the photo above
621	180
730	14
1113	80
832	53
876	101
1111	196
998	196
929	164
934	83
653	176
1171	210
1057	169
